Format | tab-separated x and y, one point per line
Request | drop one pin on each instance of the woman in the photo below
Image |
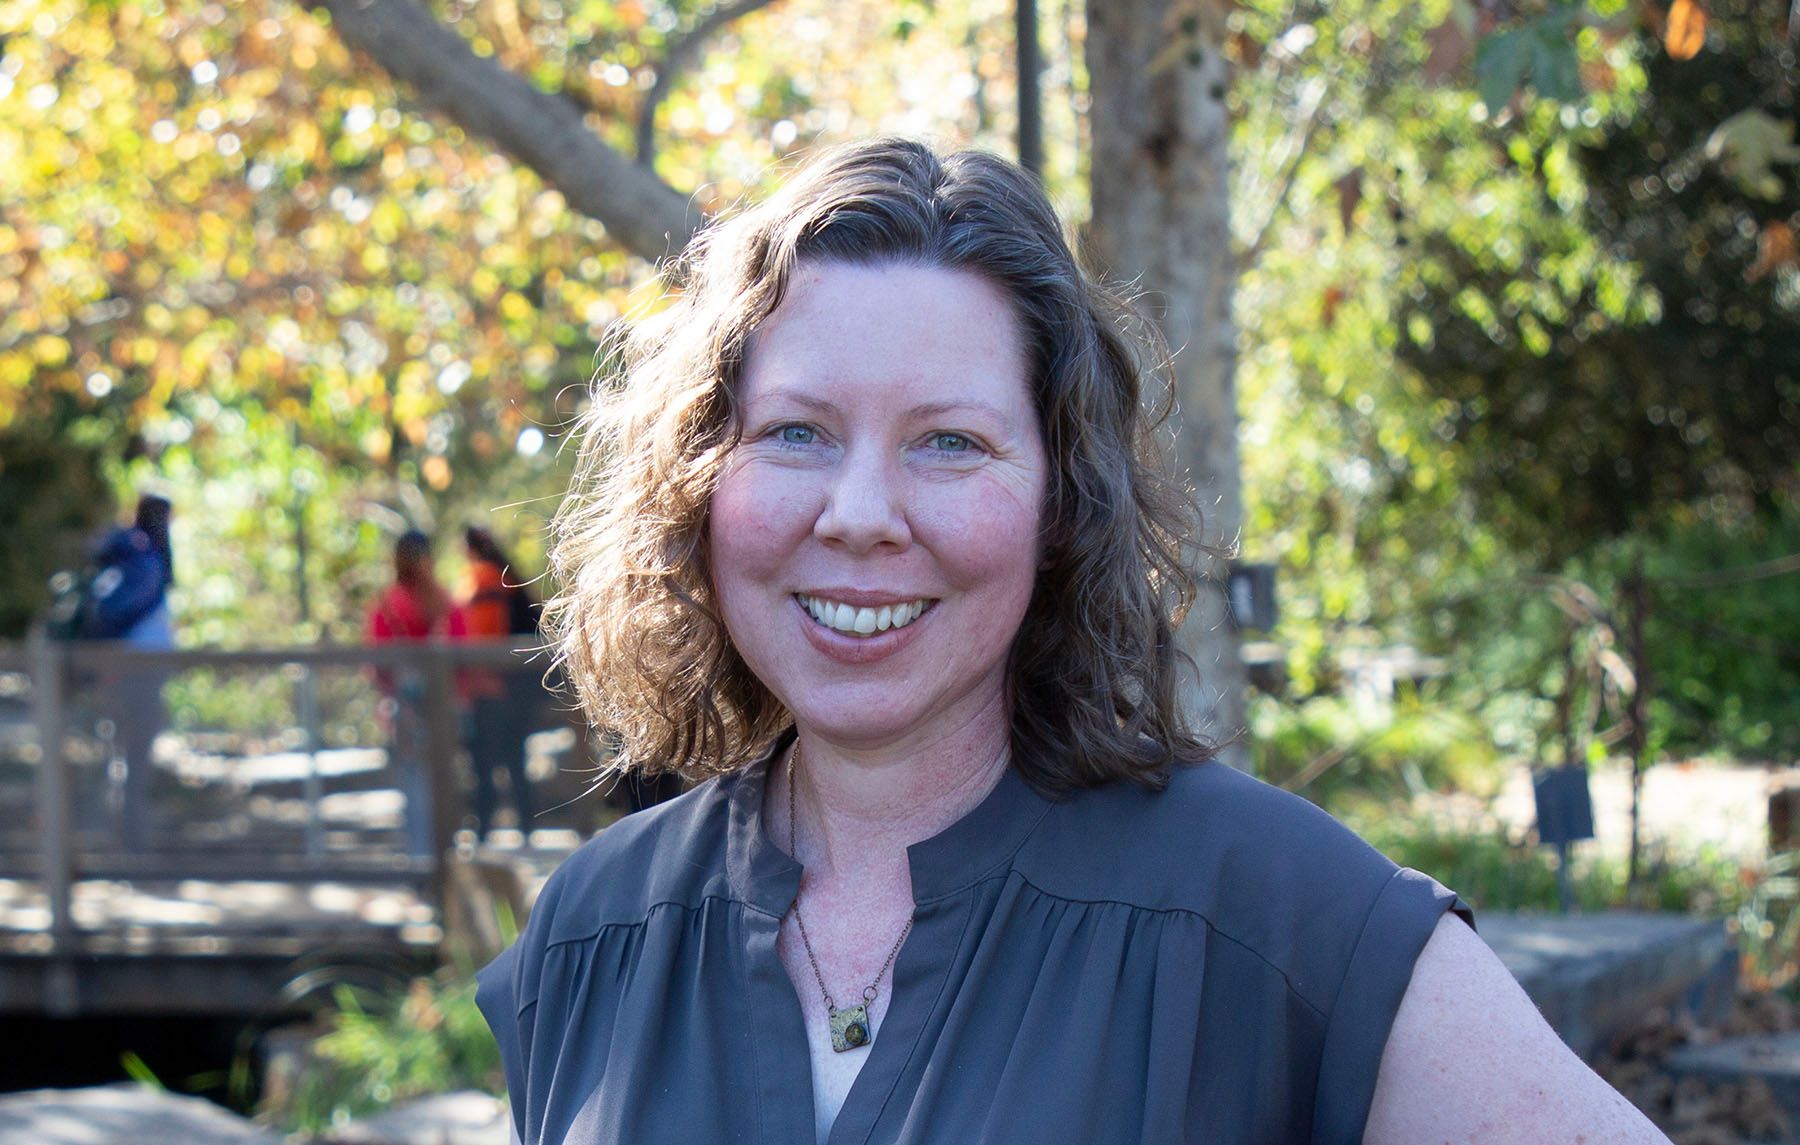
500	703
871	536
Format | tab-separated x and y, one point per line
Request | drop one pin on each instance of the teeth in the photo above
862	621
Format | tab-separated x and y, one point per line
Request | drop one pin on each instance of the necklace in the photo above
849	1026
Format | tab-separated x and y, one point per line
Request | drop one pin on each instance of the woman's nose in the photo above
864	508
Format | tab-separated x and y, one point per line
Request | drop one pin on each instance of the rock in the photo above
1595	977
124	1114
1704	1089
465	1118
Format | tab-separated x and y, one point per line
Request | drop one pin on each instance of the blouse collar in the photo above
957	857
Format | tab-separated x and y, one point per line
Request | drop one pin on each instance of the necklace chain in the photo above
873	989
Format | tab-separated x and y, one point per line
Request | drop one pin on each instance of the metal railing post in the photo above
57	841
441	743
308	686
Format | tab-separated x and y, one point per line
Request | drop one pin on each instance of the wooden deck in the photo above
271	857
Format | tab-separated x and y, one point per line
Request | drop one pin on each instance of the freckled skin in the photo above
1469	1058
890	445
874	500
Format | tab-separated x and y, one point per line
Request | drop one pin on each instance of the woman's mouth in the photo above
864	621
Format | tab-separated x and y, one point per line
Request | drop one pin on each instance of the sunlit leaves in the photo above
272	257
1539	53
1684	34
1749	145
1775	250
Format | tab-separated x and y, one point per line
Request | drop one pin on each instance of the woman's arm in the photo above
1470	1060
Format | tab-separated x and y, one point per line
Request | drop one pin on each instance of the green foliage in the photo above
52	498
139	1070
1540	53
1723	670
1628	344
388	1039
1463	369
1768	923
378	1052
1724	650
241	264
269	705
1335	751
1494	872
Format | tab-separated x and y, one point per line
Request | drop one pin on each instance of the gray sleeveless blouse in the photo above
1216	962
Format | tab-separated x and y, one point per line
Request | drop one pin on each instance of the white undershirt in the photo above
833	1073
831	1080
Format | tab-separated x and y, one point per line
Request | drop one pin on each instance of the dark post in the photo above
307	685
1565	705
1638	602
300	501
1031	110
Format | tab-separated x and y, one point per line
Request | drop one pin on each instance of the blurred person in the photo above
501	702
128	601
414	608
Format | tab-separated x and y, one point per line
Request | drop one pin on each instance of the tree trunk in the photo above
1031	100
1161	223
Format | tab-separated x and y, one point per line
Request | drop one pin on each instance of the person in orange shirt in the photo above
500	702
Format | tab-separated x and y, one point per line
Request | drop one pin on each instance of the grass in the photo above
1760	904
1493	872
379	1048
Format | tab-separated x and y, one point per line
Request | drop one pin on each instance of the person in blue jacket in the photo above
127	601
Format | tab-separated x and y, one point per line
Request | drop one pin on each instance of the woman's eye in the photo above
951	442
796	435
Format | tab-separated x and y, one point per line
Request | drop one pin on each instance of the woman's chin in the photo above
857	726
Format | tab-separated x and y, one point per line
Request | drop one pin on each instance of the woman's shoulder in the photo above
1263	867
1209	820
669	855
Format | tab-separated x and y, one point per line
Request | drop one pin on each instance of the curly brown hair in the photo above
1094	669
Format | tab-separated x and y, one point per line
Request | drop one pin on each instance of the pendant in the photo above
849	1027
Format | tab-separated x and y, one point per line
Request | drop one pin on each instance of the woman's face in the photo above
874	535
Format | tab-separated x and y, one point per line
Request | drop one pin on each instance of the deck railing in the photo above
328	764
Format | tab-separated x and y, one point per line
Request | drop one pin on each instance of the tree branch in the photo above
680	54
1312	100
542	131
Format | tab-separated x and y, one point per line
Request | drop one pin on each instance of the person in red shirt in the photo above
414	608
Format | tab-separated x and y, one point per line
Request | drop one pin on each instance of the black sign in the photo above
1565	811
1251	594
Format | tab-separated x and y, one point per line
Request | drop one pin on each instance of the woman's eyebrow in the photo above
797	397
939	409
923	410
